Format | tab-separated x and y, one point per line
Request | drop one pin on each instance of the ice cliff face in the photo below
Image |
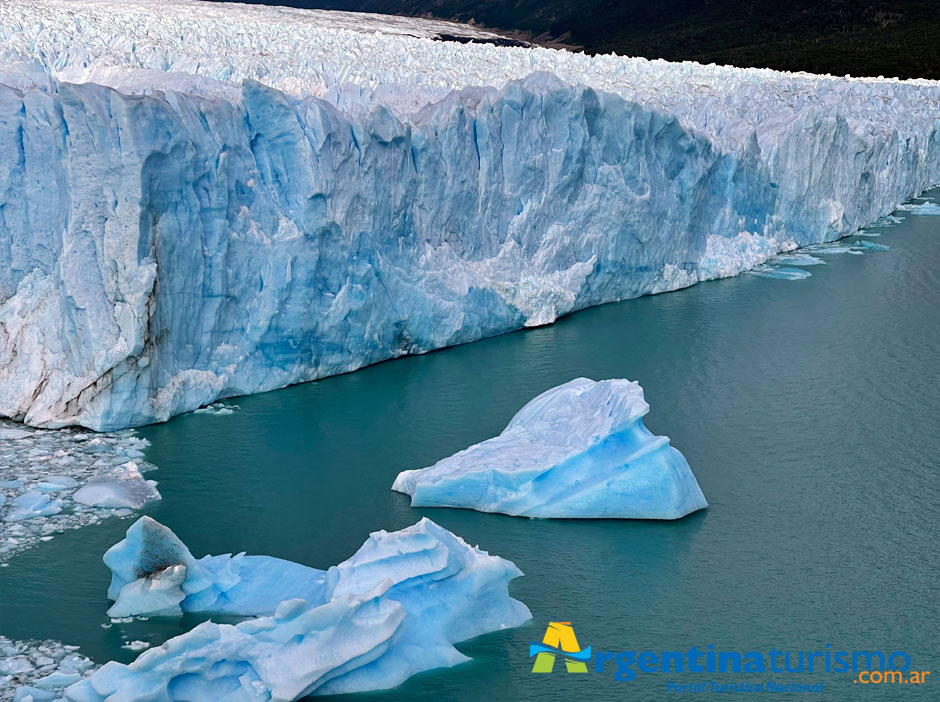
394	609
200	202
579	450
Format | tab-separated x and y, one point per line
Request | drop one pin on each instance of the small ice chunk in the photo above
27	693
798	259
872	245
217	409
136	646
124	486
15	665
780	273
923	208
56	483
58	679
31	505
832	249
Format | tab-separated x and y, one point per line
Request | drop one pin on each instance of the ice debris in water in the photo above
53	480
871	245
39	669
30	505
218	409
923	208
885	222
395	608
578	450
798	259
780	272
827	249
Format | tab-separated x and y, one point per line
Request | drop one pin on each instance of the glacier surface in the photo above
201	201
579	450
395	608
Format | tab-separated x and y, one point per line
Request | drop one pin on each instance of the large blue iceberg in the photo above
200	202
577	450
395	608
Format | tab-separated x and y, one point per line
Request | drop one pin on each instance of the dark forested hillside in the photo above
861	37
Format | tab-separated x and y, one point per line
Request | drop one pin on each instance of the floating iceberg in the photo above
577	450
207	201
395	608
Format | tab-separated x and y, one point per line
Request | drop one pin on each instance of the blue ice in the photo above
577	450
395	608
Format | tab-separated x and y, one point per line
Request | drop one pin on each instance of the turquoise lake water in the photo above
808	409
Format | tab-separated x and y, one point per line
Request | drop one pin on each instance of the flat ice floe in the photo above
395	608
51	481
268	196
579	450
780	272
798	259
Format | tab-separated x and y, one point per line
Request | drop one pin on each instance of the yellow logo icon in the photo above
559	638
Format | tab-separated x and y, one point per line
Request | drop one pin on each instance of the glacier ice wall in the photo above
579	450
196	204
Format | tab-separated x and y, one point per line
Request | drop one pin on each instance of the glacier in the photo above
200	201
395	608
578	450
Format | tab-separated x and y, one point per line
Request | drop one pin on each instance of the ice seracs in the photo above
579	450
395	608
212	201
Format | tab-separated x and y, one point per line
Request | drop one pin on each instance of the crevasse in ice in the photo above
578	450
395	608
201	201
